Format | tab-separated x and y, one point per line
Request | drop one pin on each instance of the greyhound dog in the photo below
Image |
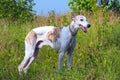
60	38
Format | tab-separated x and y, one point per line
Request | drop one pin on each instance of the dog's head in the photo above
80	22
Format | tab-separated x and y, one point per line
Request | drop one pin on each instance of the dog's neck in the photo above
72	29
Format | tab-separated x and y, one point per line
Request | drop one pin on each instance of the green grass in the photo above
96	56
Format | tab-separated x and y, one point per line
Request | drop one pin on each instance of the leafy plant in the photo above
90	5
77	5
115	6
16	9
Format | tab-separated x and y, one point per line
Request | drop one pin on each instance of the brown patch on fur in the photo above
53	35
30	38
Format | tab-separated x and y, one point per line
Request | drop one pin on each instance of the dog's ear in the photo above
73	18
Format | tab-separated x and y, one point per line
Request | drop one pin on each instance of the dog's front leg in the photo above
69	60
61	55
70	51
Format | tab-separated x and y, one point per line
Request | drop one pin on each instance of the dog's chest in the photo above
62	44
63	40
57	44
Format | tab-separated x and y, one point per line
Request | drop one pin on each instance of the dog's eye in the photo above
81	19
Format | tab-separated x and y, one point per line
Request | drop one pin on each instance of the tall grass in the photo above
96	56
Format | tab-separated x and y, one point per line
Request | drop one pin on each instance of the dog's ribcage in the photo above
53	36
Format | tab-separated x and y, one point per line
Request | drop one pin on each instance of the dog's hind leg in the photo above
30	42
29	50
32	57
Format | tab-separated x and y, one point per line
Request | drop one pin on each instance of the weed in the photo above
96	56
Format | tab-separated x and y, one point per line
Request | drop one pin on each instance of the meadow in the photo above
96	56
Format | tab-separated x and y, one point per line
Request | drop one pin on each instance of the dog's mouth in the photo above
83	28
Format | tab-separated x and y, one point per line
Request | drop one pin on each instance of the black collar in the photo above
72	33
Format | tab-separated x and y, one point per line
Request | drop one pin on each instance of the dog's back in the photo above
43	30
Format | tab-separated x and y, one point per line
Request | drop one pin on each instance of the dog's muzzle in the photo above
88	25
83	28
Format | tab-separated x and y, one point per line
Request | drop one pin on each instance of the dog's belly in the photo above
55	45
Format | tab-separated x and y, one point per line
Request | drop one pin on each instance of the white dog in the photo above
60	38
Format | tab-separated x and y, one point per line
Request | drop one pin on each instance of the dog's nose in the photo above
88	25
